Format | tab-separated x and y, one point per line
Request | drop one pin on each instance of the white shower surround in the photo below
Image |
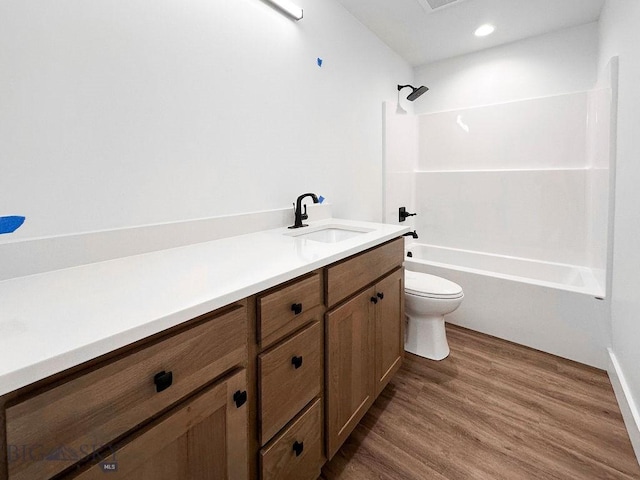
537	214
515	178
508	194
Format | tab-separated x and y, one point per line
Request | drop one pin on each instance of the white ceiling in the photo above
422	37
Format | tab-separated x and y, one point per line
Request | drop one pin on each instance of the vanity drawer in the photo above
290	375
69	421
203	438
296	454
346	278
286	309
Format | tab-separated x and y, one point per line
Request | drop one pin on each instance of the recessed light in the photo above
484	30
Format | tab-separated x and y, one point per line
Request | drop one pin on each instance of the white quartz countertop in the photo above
56	320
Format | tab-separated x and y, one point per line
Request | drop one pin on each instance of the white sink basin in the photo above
328	233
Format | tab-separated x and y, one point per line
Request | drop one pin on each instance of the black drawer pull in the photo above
380	295
296	362
374	300
163	380
240	398
298	447
296	308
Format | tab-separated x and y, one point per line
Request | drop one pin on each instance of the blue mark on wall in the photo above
10	224
319	61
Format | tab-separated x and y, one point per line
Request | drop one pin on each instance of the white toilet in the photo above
427	300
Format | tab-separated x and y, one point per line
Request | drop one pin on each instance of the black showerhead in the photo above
415	93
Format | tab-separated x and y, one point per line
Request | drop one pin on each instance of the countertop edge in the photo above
34	372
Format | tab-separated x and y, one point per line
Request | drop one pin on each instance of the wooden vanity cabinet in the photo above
365	336
362	338
69	419
268	387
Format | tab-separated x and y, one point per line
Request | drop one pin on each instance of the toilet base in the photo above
426	337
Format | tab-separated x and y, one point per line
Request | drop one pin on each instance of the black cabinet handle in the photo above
374	299
163	380
296	362
240	398
298	447
380	295
296	308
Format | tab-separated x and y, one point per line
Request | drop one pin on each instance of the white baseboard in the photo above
628	407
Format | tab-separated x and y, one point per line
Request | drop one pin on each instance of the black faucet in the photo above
413	234
298	210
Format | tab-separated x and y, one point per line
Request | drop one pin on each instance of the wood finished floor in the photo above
491	410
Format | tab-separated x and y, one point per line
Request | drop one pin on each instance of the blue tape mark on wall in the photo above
319	61
10	224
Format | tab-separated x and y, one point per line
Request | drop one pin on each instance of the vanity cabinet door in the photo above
389	327
350	358
205	438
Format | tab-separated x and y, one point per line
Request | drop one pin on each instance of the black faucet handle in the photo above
403	214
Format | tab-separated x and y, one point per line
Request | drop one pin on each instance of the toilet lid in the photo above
425	285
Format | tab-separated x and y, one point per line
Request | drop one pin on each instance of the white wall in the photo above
560	62
620	35
132	112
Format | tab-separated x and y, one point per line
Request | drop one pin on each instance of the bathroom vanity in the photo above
266	385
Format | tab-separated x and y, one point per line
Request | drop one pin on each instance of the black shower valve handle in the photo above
403	214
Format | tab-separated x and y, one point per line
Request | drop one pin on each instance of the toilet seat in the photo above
430	286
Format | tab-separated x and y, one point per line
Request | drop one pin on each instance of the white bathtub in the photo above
547	274
553	307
